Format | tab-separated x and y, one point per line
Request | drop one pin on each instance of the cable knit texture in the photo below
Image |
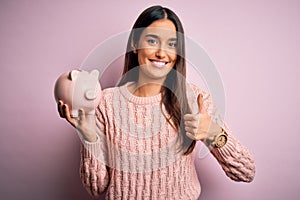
137	152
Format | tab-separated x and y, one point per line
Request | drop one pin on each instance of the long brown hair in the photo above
174	96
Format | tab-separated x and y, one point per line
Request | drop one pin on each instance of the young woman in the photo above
141	143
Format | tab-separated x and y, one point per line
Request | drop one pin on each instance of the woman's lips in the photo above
158	63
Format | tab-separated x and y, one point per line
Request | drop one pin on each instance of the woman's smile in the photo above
158	63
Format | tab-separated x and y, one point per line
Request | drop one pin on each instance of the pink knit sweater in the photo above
136	155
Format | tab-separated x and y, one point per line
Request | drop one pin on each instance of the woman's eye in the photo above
152	41
172	44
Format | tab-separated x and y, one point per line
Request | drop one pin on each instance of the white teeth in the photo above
159	64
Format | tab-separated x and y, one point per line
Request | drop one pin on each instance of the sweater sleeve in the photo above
94	172
235	159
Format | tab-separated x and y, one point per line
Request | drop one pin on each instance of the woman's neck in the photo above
145	90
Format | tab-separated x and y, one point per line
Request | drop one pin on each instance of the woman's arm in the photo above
94	172
236	160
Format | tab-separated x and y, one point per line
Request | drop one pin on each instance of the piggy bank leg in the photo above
92	112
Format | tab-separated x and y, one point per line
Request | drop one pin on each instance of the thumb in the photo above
81	115
200	103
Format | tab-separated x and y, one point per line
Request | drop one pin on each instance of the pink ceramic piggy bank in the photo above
79	90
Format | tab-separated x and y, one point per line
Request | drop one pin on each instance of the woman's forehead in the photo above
161	28
163	23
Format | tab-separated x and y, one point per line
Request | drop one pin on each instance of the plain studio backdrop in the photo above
254	45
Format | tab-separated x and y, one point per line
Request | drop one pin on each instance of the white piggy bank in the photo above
79	90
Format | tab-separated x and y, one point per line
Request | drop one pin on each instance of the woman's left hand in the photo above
200	126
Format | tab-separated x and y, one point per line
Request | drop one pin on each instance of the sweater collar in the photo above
136	99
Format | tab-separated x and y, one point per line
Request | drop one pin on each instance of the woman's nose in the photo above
160	53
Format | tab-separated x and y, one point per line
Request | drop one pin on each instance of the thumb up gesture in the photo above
200	126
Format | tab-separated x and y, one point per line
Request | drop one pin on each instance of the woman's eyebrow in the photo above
152	35
157	37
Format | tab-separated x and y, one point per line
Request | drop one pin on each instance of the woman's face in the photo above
157	50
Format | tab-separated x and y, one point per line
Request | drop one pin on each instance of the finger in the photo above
200	103
190	117
195	137
191	136
71	120
191	124
191	130
59	108
81	115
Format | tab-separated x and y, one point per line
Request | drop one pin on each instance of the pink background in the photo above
254	44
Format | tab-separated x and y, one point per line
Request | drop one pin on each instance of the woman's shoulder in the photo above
112	92
106	99
107	93
109	90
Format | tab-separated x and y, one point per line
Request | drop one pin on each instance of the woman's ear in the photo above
133	47
134	50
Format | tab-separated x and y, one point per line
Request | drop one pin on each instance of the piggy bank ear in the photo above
74	74
95	73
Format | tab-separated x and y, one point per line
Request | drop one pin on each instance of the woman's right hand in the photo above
85	124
